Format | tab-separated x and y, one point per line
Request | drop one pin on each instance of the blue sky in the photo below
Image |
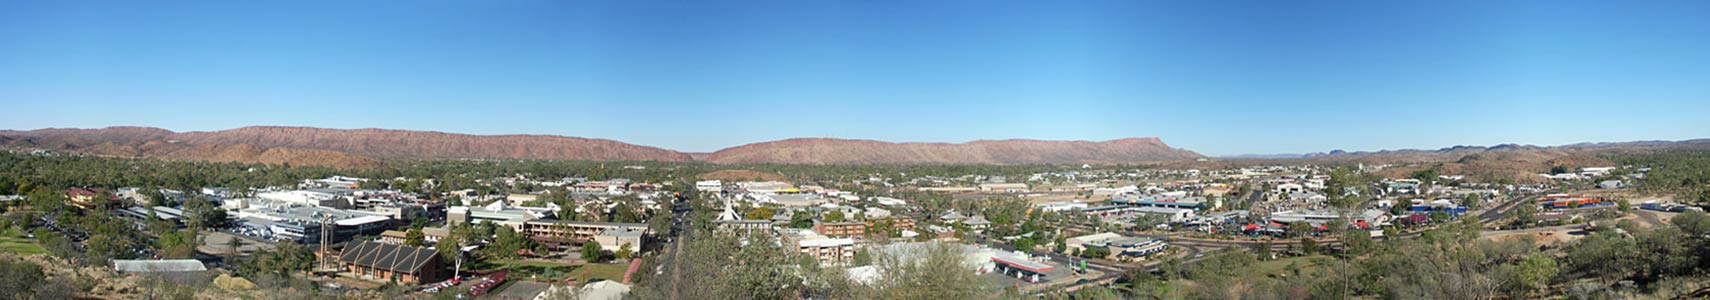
1219	77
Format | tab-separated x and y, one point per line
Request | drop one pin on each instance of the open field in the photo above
1280	266
528	269
13	240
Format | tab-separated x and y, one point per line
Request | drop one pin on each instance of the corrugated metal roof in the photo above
399	258
165	265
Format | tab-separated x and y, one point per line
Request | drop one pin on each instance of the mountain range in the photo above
361	148
368	148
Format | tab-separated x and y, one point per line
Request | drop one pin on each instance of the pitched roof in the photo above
398	258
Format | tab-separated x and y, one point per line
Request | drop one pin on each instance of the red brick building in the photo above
384	262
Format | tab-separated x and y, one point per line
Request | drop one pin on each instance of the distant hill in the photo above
244	153
1277	155
326	147
1001	152
1520	163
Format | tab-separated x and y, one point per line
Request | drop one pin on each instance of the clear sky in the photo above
1219	77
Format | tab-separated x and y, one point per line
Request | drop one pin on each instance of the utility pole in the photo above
326	236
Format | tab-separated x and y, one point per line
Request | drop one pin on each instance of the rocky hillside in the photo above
1003	152
431	144
244	153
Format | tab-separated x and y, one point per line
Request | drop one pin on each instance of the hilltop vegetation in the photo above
1683	173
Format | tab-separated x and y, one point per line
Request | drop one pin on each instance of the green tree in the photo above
450	248
623	252
760	213
1606	255
835	215
418	223
936	271
1299	229
1693	222
1357	242
591	252
801	220
26	280
1525	216
507	243
1024	244
415	237
1534	272
232	246
1427	176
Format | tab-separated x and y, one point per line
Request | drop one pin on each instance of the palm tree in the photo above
232	245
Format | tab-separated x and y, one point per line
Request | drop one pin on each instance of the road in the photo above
679	236
1501	210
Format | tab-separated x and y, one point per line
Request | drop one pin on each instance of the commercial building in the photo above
788	199
1172	215
1021	267
339	182
745	225
557	234
498	212
841	229
1080	243
829	251
296	222
1194	203
85	197
901	223
1061	206
1003	187
1117	244
948	189
614	239
713	186
336	198
1135	246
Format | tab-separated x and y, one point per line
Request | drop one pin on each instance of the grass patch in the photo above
524	269
547	270
1281	266
12	240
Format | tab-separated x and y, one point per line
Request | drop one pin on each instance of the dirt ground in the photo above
1540	235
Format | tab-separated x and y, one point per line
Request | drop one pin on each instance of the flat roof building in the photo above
557	234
